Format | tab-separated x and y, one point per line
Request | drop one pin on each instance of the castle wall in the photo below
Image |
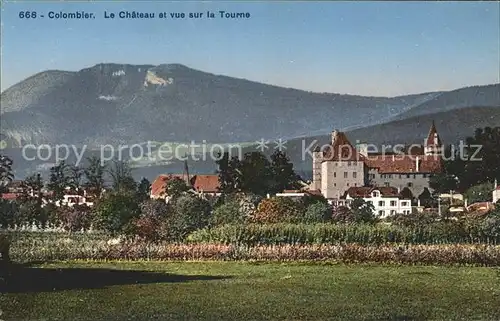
417	181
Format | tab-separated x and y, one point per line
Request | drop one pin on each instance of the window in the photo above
414	176
334	174
381	213
407	175
399	176
345	174
403	203
410	184
375	194
393	203
393	212
389	176
334	184
349	163
371	176
381	203
386	184
355	184
354	174
370	202
347	184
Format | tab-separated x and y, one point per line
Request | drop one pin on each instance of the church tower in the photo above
432	144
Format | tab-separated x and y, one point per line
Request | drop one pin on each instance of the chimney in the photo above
335	133
417	164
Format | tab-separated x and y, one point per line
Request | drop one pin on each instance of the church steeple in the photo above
433	144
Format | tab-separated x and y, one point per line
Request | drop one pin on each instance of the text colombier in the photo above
141	15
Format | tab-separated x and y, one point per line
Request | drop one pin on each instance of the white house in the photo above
387	201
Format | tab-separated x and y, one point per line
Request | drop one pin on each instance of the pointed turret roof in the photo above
430	138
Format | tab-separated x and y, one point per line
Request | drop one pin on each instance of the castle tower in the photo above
316	179
432	144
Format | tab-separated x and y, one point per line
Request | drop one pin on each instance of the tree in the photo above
121	175
256	175
279	209
283	175
94	175
115	210
190	213
75	176
58	181
479	193
342	214
6	173
176	187
143	190
228	213
477	163
228	173
318	212
362	211
427	199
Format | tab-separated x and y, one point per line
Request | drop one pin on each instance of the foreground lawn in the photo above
246	291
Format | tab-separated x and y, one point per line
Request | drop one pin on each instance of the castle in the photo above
339	166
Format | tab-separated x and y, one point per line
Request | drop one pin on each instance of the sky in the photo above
365	48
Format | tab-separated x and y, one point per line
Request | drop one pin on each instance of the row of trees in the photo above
477	164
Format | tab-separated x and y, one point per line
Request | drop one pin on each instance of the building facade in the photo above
386	201
340	166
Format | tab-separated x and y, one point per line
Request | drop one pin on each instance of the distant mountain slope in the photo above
452	127
127	104
484	96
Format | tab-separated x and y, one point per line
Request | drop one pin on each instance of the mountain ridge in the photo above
125	104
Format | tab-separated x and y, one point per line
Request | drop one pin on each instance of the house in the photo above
386	201
496	193
202	185
10	196
339	166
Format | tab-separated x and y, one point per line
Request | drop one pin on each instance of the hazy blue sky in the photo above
367	48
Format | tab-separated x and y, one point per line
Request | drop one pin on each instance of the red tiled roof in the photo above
404	164
10	196
159	184
206	183
430	137
365	192
341	149
314	192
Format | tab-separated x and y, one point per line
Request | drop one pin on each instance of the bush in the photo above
278	209
8	213
115	211
189	214
151	223
228	213
342	214
4	247
318	212
76	218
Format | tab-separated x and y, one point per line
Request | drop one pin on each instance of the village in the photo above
393	184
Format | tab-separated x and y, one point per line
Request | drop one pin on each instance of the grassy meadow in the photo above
152	290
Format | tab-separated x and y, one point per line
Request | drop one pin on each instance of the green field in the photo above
250	291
